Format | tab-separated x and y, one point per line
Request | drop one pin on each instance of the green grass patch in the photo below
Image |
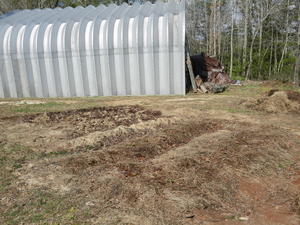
54	154
33	206
256	89
34	108
26	109
43	207
12	157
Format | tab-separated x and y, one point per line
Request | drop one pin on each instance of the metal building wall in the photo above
103	51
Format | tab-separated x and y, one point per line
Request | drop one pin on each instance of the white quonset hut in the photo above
94	51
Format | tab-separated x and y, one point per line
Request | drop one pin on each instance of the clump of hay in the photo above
275	101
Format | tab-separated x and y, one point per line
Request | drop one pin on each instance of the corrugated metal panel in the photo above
103	51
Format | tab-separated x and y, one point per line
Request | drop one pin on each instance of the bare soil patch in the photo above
77	130
85	121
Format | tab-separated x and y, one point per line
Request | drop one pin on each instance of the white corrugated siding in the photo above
103	51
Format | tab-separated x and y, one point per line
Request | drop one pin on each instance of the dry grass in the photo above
204	160
276	101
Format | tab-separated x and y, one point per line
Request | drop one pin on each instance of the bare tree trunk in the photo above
207	27
219	37
271	54
245	35
280	65
260	37
262	60
215	27
250	56
211	30
224	49
297	63
240	41
248	70
275	56
260	28
231	39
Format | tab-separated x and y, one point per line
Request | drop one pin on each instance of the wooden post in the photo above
189	65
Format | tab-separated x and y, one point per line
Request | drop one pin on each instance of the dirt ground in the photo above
165	160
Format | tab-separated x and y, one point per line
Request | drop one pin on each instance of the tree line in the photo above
254	39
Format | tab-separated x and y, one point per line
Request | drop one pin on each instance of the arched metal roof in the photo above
93	51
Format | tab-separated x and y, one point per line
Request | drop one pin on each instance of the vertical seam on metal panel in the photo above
171	52
126	32
69	56
155	49
105	58
62	65
76	63
4	56
141	58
